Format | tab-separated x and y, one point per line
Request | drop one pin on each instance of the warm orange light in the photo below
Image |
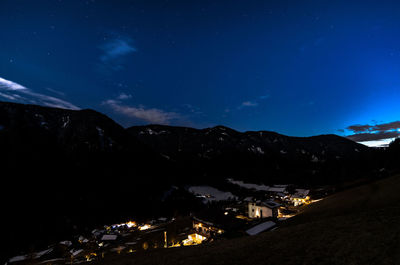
144	227
131	224
193	239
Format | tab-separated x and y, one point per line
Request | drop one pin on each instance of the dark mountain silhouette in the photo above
261	156
66	171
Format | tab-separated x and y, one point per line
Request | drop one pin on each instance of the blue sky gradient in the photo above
296	67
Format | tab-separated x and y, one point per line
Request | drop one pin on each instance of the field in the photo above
356	226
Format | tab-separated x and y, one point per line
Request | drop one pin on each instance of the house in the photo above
202	230
109	237
193	239
277	189
206	228
263	209
300	197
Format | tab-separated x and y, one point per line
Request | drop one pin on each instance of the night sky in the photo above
299	68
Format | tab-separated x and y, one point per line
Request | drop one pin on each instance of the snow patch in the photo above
150	132
100	131
65	121
66	243
210	194
167	157
18	258
259	187
249	185
44	252
256	150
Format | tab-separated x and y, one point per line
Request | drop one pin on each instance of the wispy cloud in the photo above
249	104
151	115
264	96
13	91
124	96
56	91
114	53
116	48
10	85
253	103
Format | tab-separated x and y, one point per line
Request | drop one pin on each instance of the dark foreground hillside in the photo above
357	226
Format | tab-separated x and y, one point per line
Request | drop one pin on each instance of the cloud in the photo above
395	125
15	92
363	137
253	103
387	126
375	134
151	115
114	53
359	128
10	85
124	96
378	143
116	48
246	104
7	96
56	91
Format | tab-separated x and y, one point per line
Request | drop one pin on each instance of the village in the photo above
224	216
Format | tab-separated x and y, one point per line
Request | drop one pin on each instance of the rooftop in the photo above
260	228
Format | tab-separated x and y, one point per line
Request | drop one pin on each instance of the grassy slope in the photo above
357	226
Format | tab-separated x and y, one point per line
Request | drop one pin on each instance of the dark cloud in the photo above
377	132
359	128
363	137
387	126
374	128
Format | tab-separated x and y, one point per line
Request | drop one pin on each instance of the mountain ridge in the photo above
70	170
